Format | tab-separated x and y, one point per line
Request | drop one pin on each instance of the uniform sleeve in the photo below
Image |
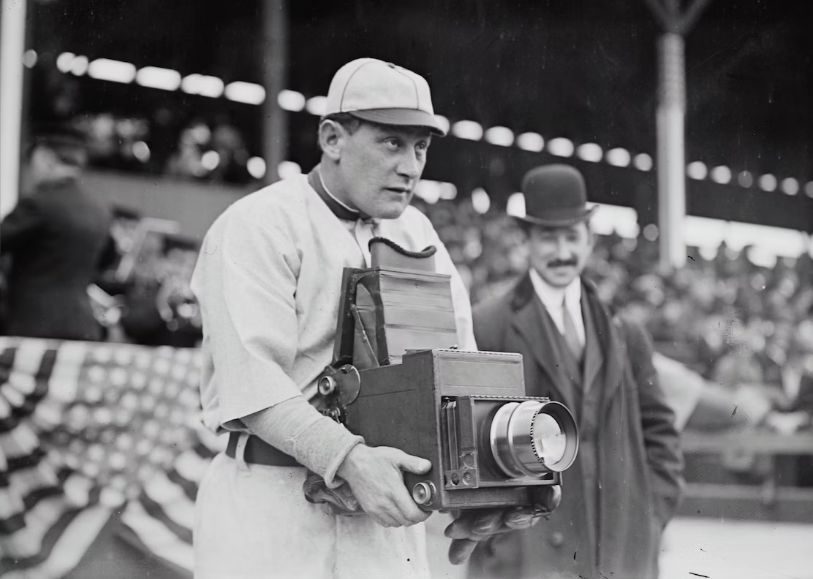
661	438
21	225
460	296
245	281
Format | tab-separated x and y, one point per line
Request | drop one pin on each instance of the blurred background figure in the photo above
56	238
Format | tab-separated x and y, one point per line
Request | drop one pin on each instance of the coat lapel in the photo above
530	322
614	348
593	355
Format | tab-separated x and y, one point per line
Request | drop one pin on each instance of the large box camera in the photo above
399	380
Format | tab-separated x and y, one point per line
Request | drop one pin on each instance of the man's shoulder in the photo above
284	202
494	308
412	218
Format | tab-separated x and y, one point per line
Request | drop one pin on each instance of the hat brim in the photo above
562	222
401	118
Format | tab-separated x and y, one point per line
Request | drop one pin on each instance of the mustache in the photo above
563	262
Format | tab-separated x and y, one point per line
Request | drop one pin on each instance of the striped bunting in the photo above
96	444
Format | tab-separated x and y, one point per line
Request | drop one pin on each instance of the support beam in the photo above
12	46
671	154
275	73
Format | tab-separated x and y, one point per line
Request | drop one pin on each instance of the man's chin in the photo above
390	210
559	279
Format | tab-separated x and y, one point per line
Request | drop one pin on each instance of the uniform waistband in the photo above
260	452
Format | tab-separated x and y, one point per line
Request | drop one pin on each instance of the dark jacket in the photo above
56	237
626	481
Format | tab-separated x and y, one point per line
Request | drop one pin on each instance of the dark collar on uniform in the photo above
339	210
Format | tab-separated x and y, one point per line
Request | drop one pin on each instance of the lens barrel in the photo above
533	438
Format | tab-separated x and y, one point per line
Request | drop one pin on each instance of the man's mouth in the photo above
401	190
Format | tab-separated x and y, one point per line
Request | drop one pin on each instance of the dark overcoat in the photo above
56	237
626	482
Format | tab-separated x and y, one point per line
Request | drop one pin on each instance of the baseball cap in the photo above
381	92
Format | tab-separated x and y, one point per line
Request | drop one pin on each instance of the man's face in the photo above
55	164
379	166
559	254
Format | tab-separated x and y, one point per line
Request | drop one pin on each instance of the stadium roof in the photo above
575	69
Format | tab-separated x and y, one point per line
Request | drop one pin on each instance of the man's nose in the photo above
409	166
562	248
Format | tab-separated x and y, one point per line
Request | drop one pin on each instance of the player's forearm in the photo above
298	429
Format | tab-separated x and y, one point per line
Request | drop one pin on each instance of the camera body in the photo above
399	380
445	405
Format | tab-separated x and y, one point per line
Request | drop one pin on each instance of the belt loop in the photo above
239	452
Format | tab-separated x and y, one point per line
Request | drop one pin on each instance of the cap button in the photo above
557	539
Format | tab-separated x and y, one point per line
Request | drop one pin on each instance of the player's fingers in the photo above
460	550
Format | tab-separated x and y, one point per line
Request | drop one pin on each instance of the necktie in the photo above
570	334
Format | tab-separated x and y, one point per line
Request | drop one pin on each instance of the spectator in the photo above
56	237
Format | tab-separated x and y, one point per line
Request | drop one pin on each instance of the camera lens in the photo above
549	440
533	438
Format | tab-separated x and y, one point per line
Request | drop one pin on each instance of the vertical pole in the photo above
671	157
12	46
275	76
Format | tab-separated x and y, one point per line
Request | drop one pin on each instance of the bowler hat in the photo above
555	196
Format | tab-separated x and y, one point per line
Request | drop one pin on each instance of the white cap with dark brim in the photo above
384	93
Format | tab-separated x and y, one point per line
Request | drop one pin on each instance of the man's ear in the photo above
331	138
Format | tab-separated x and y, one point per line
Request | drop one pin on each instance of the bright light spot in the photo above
290	100
448	191
651	232
443	122
697	170
745	179
316	105
561	147
502	136
620	157
256	167
467	130
589	152
531	142
288	169
767	182
643	162
777	240
80	65
111	70
762	257
721	174
141	151
809	189
203	85
429	191
30	58
63	62
516	205
615	218
704	233
160	78
790	186
245	92
210	160
480	200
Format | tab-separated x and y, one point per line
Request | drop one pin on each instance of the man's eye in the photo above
392	143
422	146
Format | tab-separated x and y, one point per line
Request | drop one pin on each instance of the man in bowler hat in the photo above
626	482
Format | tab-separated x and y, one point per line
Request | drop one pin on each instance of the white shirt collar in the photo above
322	181
552	297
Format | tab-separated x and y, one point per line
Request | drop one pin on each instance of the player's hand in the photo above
470	528
375	476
